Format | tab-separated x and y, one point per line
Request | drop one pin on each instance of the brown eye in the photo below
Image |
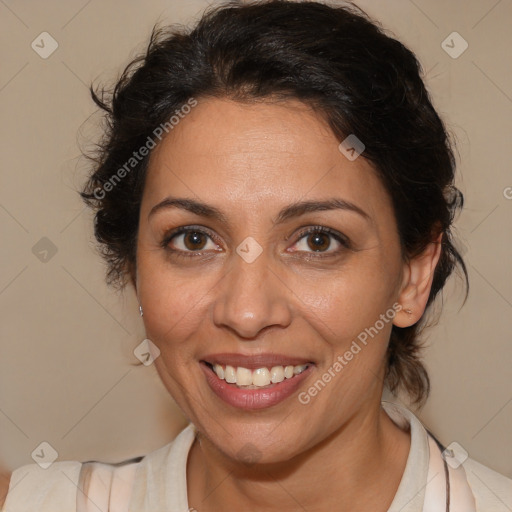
318	241
188	240
194	240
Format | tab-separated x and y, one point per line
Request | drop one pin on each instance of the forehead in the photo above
258	153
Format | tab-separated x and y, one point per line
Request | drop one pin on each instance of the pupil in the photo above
193	239
318	242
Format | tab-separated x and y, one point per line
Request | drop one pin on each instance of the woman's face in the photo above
262	246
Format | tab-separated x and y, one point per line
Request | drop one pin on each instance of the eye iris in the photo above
193	239
318	241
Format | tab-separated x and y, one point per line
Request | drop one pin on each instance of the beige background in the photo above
67	373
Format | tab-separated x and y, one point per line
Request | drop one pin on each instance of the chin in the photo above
256	444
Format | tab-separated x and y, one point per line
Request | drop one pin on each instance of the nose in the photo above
252	298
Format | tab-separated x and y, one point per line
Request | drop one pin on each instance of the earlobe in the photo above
416	285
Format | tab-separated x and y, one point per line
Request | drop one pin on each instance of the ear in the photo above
416	284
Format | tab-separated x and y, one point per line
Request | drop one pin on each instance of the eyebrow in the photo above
294	210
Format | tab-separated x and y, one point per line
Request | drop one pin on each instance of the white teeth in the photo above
299	369
277	374
257	378
229	374
260	377
219	370
243	376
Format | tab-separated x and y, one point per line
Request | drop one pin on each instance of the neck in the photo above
357	468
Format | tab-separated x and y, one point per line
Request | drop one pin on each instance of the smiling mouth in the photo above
245	378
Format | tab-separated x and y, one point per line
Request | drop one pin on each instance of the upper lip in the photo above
252	362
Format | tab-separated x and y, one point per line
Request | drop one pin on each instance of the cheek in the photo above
345	311
347	319
173	304
344	304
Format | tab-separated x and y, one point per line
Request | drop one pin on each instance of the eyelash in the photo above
341	239
184	230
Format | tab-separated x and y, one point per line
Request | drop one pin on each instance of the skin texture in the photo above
250	160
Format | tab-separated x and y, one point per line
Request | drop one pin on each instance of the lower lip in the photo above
252	399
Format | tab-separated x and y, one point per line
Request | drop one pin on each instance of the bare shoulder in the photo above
5	478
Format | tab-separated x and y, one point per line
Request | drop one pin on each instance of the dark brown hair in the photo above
335	59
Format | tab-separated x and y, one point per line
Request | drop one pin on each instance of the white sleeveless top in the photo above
158	483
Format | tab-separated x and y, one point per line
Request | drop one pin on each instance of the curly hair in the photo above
335	59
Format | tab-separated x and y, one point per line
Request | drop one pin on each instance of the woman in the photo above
278	189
